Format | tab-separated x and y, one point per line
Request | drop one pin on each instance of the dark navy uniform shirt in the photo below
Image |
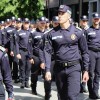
13	39
5	72
66	44
7	35
2	34
1	37
93	37
22	38
34	42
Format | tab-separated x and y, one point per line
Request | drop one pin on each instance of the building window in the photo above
94	6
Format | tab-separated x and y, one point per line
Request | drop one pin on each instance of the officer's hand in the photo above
42	65
18	56
12	53
85	76
48	76
31	61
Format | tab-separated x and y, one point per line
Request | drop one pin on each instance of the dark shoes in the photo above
27	85
34	92
47	96
16	81
22	85
94	97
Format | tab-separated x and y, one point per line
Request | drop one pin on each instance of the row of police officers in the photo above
63	51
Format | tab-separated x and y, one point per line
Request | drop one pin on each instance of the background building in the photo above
79	7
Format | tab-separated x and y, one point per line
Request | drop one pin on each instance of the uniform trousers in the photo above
67	81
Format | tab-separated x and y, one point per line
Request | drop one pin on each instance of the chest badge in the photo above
73	36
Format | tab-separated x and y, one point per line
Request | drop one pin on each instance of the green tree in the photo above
31	8
21	8
8	8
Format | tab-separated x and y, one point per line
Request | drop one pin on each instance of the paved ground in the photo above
25	94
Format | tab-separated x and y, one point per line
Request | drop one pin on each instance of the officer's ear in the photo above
69	16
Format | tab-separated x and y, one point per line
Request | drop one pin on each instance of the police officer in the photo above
2	25
55	21
47	24
33	25
22	53
13	49
93	38
66	40
34	42
5	76
84	26
84	22
7	36
13	22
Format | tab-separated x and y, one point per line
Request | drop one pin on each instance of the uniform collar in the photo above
95	28
68	29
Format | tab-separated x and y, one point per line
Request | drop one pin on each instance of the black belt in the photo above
68	64
94	49
23	49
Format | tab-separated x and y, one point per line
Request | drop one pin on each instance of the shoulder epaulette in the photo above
2	49
79	28
48	31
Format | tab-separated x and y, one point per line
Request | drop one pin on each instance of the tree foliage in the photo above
21	8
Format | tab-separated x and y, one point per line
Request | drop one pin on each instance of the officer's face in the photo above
13	23
83	23
18	24
42	25
96	21
63	17
26	25
55	24
1	26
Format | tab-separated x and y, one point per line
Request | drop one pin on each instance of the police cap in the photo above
8	20
84	17
42	19
18	20
47	20
55	19
64	8
26	20
96	15
13	18
2	22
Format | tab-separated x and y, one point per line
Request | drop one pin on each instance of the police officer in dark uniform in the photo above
47	24
84	26
22	53
33	25
55	21
5	76
7	36
2	25
84	22
93	38
66	41
2	32
13	22
13	49
34	42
